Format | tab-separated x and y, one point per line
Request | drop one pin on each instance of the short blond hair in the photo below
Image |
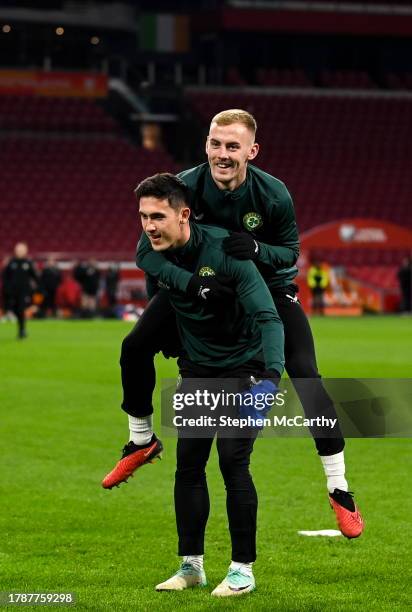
236	115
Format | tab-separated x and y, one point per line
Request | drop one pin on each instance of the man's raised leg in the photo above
155	331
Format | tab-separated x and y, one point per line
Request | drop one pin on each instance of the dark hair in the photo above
164	186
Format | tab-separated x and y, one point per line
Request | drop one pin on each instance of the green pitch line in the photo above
62	430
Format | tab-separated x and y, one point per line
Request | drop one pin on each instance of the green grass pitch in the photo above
62	430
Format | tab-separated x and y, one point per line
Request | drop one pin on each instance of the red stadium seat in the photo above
339	156
71	192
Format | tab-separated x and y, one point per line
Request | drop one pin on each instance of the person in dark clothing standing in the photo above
19	280
111	281
50	279
88	276
318	281
405	283
78	272
6	298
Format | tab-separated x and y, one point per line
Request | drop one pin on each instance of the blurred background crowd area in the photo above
95	96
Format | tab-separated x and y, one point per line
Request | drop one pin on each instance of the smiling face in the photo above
229	148
166	227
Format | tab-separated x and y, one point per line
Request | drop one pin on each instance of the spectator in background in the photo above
69	295
6	298
78	272
111	283
19	281
50	279
151	136
405	278
318	280
88	277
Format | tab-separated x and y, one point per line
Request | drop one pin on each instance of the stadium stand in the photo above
270	77
347	79
336	4
359	257
328	79
400	81
340	156
380	276
67	178
233	77
53	114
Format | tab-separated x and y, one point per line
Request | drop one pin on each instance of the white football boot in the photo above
236	583
186	577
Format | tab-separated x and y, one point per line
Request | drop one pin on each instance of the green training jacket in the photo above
237	332
261	206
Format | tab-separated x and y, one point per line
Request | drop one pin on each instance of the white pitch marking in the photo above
331	533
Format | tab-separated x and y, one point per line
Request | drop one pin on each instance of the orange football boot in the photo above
349	519
133	457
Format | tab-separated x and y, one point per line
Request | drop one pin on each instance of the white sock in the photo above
334	466
141	429
245	568
195	560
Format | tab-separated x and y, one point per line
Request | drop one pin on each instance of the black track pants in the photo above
192	497
191	493
156	331
300	362
19	302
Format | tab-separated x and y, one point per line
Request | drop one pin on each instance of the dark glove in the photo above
259	397
210	289
241	246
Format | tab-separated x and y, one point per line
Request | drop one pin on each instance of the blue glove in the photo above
255	400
